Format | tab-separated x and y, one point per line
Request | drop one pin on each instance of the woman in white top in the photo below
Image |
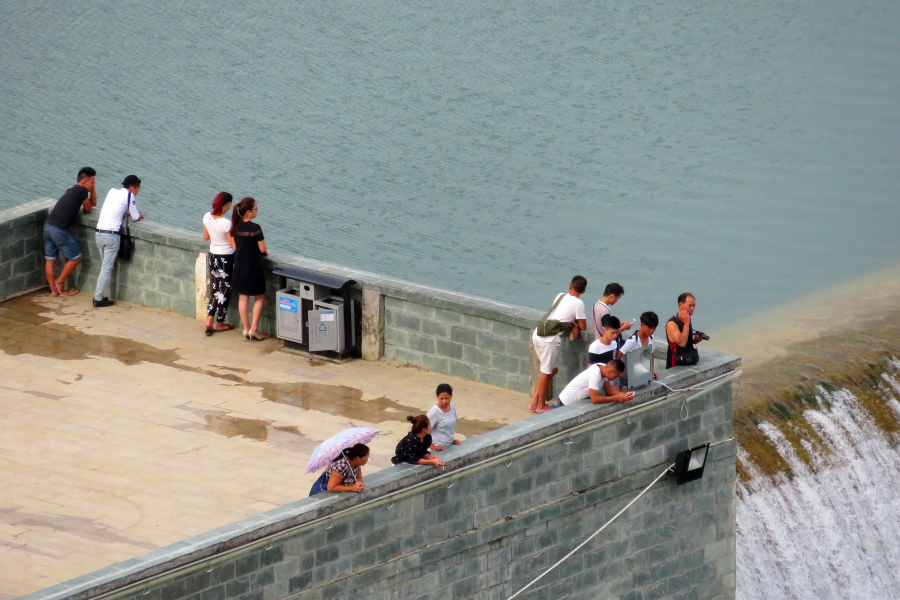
443	419
221	262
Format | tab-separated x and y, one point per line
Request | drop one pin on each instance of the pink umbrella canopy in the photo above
328	450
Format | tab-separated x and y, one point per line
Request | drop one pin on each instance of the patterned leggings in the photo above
220	266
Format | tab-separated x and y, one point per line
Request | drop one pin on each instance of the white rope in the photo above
596	533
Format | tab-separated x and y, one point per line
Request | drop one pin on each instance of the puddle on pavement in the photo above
28	331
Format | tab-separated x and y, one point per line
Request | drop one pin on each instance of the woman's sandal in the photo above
246	335
209	332
255	336
228	327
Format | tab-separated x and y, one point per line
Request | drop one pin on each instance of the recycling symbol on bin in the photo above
323	327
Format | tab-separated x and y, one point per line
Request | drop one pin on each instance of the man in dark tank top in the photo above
680	333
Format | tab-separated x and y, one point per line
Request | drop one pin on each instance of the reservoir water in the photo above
746	152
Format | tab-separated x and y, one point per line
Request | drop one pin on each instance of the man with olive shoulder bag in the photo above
566	316
681	335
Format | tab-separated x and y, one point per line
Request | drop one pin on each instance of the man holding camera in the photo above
681	335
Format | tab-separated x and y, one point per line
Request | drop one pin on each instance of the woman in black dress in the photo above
413	449
248	277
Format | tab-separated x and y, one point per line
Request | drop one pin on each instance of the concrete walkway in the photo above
126	429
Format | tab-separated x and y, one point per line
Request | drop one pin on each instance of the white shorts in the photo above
546	348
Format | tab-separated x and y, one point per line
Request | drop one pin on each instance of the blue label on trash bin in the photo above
287	304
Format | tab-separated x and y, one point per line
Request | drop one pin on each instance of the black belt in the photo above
109	231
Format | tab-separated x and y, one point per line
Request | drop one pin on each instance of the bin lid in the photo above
309	276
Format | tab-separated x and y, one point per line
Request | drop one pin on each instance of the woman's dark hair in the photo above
237	213
443	387
219	202
419	424
355	451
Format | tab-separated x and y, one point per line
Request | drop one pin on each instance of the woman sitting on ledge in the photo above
413	449
344	474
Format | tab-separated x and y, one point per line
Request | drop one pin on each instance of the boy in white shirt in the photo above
595	383
643	337
569	309
603	349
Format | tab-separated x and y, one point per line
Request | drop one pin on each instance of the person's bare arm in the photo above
610	394
91	202
679	336
231	241
205	234
430	460
334	484
262	246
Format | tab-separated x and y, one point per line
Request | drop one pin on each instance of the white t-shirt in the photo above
116	204
218	234
632	343
569	310
580	387
443	425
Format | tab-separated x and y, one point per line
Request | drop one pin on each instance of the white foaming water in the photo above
833	530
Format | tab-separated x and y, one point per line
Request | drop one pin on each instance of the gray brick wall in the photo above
510	504
454	343
22	248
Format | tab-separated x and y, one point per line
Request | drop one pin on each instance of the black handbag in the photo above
126	243
686	357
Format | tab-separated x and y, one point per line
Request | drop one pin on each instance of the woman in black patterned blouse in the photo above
413	449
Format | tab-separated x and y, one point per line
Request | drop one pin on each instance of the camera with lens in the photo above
701	336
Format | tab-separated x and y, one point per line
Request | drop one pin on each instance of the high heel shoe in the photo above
256	336
247	335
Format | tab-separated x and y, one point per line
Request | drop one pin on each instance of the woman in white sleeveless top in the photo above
221	262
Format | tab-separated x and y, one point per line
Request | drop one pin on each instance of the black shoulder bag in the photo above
126	243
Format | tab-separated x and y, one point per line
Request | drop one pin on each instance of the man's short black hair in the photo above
611	322
649	319
579	284
683	297
617	364
131	181
86	172
614	289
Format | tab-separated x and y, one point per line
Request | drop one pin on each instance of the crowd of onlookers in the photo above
600	382
237	247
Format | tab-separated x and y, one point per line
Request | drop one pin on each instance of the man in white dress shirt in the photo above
118	202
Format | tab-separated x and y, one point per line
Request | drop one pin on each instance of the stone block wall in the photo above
447	341
22	248
509	504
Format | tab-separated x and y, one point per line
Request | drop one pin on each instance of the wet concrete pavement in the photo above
126	429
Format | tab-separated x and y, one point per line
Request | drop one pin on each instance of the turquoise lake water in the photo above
747	152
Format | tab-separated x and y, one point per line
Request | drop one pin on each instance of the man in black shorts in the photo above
56	230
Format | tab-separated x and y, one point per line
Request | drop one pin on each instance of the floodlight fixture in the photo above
689	464
638	367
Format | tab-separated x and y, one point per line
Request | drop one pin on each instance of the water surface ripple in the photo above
739	150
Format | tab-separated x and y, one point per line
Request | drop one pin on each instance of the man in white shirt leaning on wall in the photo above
596	383
118	202
568	309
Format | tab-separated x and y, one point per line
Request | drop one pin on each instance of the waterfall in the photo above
832	528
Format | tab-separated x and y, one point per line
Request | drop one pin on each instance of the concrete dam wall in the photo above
509	503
